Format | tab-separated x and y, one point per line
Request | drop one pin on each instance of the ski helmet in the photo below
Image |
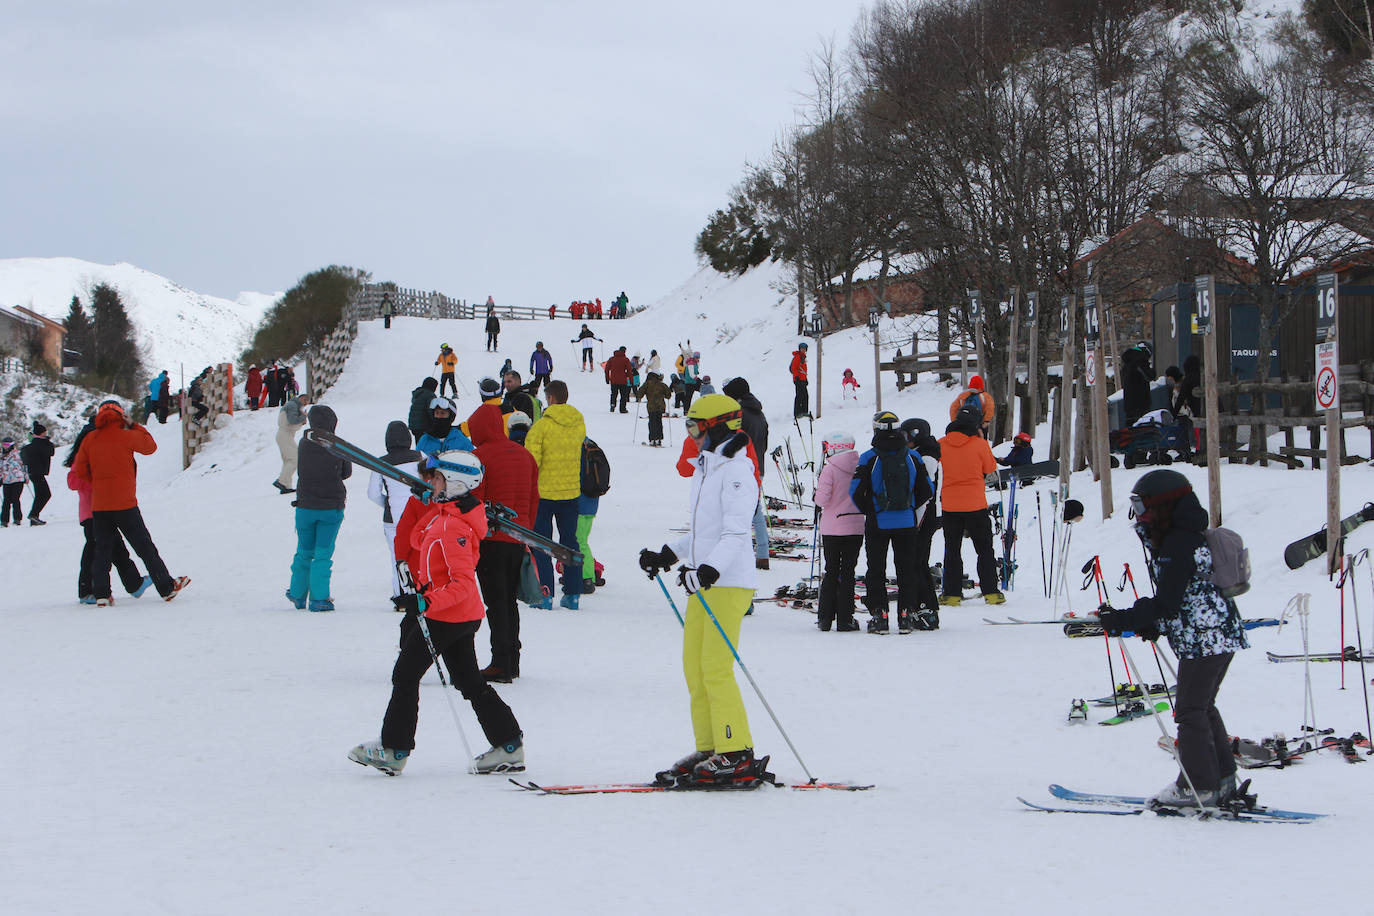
1158	488
885	420
802	345
462	472
837	442
712	411
489	387
916	428
1021	439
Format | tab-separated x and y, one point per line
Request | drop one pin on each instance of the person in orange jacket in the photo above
106	462
444	546
802	401
965	460
975	389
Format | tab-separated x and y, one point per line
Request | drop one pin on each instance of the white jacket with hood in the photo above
721	525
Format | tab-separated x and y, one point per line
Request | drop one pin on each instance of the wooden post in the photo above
975	318
1033	362
1328	384
1113	353
1206	294
874	319
1065	406
1011	361
818	332
1096	378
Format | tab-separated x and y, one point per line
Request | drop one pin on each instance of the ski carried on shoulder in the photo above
1097	803
499	517
641	788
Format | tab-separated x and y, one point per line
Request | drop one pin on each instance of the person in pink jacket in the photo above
842	532
134	582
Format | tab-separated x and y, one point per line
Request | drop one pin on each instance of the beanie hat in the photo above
38	428
736	387
976	382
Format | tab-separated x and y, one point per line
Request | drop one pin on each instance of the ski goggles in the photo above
1137	506
435	463
698	427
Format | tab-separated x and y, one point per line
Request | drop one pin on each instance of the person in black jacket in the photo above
320	496
493	328
1204	630
755	426
37	458
1136	376
418	418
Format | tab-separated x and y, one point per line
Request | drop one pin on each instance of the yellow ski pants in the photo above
719	722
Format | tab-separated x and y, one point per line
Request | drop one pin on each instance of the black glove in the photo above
703	577
409	604
653	561
1115	621
467	502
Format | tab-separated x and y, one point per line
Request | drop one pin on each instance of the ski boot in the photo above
928	619
950	600
502	758
1175	796
995	598
1078	711
905	621
588	586
846	624
568	601
682	769
730	770
824	622
544	605
372	754
318	605
297	603
878	623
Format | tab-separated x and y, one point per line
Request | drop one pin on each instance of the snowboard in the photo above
1314	545
1027	472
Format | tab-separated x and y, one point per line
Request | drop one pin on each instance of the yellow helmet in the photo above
711	409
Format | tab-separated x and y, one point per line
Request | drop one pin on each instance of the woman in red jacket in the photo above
445	544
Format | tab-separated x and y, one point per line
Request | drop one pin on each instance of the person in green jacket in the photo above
655	394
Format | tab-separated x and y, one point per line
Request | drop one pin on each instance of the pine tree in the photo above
114	347
78	340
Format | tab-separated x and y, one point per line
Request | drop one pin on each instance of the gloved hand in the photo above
702	577
407	581
1115	621
652	561
409	603
467	502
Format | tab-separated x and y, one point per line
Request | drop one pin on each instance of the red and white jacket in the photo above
445	562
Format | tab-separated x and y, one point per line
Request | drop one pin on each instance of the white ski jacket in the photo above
721	525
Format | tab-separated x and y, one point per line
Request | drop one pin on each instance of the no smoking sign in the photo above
1328	383
1090	369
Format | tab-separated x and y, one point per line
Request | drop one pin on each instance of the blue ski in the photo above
1138	802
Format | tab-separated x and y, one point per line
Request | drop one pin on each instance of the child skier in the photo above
1021	452
447	544
14	476
718	566
849	386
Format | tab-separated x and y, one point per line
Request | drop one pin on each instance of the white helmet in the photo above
462	472
837	442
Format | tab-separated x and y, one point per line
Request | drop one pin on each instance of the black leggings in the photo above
454	643
841	553
1204	745
12	493
903	541
41	494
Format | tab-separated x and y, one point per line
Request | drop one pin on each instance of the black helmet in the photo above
916	428
1158	488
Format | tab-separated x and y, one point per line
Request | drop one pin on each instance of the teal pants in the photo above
316	531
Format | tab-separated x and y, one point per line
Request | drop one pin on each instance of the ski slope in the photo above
190	757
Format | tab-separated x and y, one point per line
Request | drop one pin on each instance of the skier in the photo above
541	367
441	435
920	441
656	394
319	506
755	426
979	401
802	400
637	362
691	377
253	387
892	491
493	326
1204	631
841	531
849	386
715	554
704	387
585	337
134	582
446	577
13	476
387	310
655	363
555	441
392	496
418	418
1021	452
37	458
965	460
617	372
159	390
510	478
106	462
448	364
290	420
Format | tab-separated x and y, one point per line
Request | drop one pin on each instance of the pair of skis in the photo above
646	788
499	517
1097	803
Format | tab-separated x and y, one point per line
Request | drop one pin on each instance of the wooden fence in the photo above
418	303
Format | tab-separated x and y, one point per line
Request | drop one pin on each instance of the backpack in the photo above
1230	561
596	470
886	484
970	414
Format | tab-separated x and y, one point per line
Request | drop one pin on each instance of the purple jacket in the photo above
541	362
839	515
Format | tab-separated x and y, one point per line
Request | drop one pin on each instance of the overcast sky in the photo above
534	151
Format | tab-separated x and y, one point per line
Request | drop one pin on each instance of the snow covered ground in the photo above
189	757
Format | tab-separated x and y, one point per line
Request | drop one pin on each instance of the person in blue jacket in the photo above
1021	452
441	435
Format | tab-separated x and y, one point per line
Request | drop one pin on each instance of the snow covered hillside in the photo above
190	757
178	327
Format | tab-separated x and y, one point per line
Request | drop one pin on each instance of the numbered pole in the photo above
1064	409
1329	399
1032	363
975	318
873	316
1013	319
1094	373
818	332
1205	289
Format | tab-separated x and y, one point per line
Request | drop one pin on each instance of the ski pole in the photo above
1130	661
453	707
671	603
752	683
1040	525
1348	572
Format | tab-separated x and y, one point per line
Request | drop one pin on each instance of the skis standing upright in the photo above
1009	538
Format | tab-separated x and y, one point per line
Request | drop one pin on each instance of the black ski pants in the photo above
498	572
454	642
1204	745
129	576
801	402
41	494
655	426
903	543
623	393
11	502
446	378
978	526
109	525
925	533
841	552
491	339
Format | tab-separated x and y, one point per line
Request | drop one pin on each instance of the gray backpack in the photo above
1230	561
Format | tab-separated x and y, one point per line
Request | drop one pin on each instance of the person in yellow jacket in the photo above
448	364
555	441
718	564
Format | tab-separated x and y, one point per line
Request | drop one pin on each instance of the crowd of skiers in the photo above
270	387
